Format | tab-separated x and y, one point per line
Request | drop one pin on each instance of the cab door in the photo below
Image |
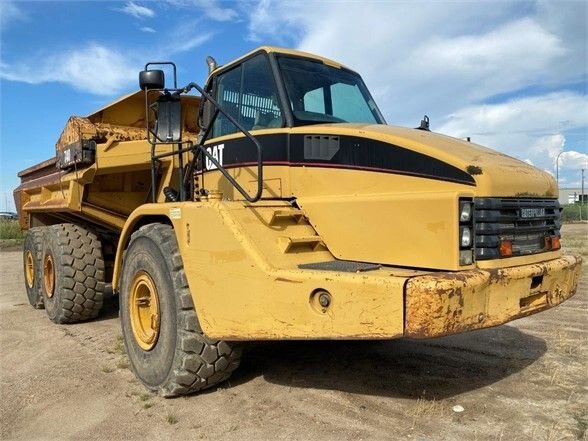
248	93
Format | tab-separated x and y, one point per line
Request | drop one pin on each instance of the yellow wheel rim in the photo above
48	275
144	310
29	269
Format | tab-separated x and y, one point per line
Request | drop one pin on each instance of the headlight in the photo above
465	235
465	211
465	257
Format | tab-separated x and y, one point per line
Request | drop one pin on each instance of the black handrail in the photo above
200	147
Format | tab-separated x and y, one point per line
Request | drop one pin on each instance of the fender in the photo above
144	214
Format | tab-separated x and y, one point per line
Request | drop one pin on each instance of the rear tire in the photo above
73	274
33	274
167	349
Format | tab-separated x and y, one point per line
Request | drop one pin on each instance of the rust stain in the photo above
78	129
283	279
474	170
525	194
449	303
42	181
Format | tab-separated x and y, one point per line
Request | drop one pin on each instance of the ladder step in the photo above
296	215
292	243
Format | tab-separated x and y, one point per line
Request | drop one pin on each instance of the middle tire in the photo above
73	274
167	349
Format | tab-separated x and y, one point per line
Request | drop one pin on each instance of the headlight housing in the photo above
466	232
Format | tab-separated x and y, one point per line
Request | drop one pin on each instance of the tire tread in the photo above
82	270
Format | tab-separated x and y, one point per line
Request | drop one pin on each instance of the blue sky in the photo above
512	75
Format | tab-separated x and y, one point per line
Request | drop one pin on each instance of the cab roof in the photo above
281	50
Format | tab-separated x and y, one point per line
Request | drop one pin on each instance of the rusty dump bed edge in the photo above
35	171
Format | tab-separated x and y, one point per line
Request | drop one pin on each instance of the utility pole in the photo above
582	196
557	168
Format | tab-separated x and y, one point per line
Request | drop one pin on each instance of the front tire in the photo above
167	349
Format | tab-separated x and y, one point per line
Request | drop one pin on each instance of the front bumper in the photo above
449	303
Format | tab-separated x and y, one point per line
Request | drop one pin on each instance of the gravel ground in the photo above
523	381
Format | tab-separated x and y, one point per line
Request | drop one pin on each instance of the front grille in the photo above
524	222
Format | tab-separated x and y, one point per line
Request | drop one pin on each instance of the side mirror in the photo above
151	79
168	113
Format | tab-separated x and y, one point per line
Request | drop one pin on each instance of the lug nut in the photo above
320	300
324	299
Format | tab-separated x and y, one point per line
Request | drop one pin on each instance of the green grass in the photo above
575	242
145	396
118	346
122	364
9	229
571	212
171	419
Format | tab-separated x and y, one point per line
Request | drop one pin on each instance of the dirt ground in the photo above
527	380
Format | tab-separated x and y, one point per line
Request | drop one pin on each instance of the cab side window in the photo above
228	91
247	92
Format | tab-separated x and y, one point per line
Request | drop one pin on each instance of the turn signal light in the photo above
552	243
505	248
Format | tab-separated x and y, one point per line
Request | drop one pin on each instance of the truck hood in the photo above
495	173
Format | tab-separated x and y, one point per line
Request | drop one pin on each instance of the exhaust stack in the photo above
211	64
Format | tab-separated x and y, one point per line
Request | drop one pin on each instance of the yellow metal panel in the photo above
260	301
517	261
496	174
103	216
241	294
129	111
408	229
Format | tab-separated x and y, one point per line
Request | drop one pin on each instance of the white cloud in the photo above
485	64
184	45
261	23
211	9
137	11
532	128
147	29
10	12
93	68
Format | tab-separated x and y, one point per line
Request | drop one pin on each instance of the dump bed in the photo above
101	168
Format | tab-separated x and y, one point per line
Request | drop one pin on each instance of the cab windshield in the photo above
319	93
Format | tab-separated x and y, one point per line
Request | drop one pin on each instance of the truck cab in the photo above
408	197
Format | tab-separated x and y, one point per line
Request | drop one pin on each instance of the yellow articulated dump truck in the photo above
276	203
